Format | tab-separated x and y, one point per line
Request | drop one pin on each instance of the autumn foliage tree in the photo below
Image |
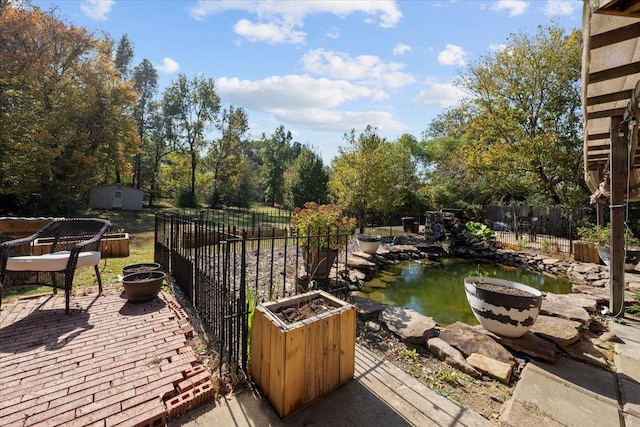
63	121
518	137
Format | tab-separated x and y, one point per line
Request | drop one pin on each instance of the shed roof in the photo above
611	85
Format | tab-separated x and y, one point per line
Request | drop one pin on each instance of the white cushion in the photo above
56	261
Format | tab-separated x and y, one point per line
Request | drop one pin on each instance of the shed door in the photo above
117	199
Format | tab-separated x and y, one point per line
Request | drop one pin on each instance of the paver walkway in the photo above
108	363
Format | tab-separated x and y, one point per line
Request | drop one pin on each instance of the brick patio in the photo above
108	363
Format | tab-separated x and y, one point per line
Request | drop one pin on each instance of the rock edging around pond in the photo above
476	351
587	278
568	324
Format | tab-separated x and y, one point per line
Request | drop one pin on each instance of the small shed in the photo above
116	196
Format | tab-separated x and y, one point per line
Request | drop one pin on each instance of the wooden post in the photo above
617	207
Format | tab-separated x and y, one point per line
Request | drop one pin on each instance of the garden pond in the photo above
436	289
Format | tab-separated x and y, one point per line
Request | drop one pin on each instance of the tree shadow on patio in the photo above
51	328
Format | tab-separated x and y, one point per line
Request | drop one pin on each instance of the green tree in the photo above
191	107
306	180
526	114
124	55
145	83
224	152
518	137
64	122
372	176
276	155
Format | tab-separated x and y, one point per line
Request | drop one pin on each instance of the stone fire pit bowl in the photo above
501	306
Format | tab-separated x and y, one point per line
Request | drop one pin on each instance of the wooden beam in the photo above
615	72
606	113
598	146
609	97
617	209
597	136
615	36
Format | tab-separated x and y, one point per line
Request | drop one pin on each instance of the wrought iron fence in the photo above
223	270
548	229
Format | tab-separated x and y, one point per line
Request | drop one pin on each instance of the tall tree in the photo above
145	83
372	176
306	180
526	113
277	154
225	151
191	107
64	120
124	55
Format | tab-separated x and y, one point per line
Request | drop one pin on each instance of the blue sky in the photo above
321	68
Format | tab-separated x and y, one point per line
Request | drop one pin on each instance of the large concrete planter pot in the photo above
140	268
143	286
631	260
369	244
296	363
318	263
501	306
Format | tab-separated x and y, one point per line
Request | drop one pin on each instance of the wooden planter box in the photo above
586	252
297	363
111	245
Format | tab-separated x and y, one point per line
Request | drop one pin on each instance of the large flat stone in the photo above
529	344
471	340
560	331
367	309
559	307
409	325
586	301
585	351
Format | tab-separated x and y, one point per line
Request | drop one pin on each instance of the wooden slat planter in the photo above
114	245
586	252
297	363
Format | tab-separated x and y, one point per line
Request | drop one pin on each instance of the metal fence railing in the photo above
221	270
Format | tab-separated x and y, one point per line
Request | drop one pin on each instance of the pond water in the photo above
437	289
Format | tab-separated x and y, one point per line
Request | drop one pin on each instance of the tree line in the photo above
75	113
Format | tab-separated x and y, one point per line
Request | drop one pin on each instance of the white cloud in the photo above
271	32
291	14
401	49
515	7
341	121
333	33
442	94
279	93
168	66
452	55
312	103
366	69
497	47
97	9
561	7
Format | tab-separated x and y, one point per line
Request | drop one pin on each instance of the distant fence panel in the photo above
548	229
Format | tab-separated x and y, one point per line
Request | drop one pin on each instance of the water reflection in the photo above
437	289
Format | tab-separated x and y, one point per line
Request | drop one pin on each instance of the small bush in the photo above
184	198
